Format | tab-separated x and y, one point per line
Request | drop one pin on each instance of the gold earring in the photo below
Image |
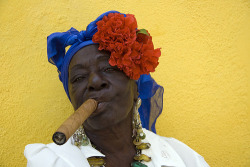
138	136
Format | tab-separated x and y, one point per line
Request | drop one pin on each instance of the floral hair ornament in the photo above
132	50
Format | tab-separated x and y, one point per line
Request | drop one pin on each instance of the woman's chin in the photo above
98	124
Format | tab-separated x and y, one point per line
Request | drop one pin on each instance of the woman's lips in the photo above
99	109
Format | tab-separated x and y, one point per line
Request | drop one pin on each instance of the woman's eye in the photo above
78	79
109	69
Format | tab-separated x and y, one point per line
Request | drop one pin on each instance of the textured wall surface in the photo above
204	69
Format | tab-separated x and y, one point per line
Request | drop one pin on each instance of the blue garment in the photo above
149	91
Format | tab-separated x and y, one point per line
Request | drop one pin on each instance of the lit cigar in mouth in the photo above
68	128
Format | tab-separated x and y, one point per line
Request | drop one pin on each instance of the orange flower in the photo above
133	53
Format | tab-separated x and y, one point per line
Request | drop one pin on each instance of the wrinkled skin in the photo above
91	76
110	126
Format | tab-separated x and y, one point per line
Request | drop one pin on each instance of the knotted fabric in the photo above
150	92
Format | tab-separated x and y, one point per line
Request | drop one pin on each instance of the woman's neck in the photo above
115	142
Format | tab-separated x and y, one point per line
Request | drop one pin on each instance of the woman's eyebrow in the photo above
99	57
102	57
76	67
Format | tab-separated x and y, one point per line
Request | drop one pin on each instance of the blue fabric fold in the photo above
148	89
151	95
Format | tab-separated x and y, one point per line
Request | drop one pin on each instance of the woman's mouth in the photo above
99	109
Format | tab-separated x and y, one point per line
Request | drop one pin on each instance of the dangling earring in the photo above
80	138
137	127
138	136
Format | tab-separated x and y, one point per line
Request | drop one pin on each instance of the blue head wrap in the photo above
149	91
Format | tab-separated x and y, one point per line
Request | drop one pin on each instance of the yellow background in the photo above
204	69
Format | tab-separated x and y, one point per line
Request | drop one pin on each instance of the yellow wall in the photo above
203	68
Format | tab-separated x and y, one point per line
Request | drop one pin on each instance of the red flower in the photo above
133	53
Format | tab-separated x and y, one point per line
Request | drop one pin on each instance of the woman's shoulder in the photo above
52	155
174	150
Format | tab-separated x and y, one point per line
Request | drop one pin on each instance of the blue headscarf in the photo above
149	91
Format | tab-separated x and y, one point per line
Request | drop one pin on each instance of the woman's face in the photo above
91	76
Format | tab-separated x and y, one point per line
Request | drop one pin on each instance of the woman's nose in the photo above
96	82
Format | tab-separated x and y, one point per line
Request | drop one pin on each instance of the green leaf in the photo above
143	31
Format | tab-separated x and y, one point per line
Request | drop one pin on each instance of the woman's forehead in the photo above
89	55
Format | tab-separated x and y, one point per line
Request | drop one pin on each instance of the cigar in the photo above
68	128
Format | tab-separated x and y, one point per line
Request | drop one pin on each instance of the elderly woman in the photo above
110	62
